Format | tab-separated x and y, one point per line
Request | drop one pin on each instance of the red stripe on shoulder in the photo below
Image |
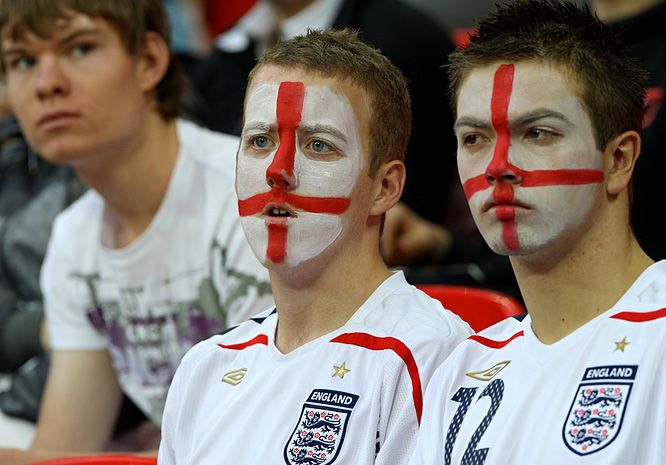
390	343
640	317
495	344
260	339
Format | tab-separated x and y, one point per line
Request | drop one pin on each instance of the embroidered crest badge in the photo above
320	431
596	413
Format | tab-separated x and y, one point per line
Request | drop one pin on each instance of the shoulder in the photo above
487	343
399	310
214	150
250	333
81	219
645	303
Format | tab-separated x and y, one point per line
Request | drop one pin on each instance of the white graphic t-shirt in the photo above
188	276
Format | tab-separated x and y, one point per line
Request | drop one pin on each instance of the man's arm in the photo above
81	402
79	408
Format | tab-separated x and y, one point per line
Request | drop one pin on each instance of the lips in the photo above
56	119
278	210
492	204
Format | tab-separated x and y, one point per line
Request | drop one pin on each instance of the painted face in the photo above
300	157
527	156
77	93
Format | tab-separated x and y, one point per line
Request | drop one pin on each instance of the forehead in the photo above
53	29
331	88
534	86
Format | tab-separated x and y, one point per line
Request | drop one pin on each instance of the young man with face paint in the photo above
334	374
152	259
549	110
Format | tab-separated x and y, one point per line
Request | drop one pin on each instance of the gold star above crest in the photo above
621	345
341	370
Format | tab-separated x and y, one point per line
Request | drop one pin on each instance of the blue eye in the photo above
319	146
260	142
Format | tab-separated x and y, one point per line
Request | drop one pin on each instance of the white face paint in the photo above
545	185
327	160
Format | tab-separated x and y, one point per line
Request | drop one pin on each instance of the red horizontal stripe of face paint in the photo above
371	342
326	205
495	344
640	317
539	178
260	339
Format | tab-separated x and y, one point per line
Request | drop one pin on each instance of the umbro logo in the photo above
234	377
489	373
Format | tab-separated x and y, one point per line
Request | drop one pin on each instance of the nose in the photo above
500	170
51	80
280	173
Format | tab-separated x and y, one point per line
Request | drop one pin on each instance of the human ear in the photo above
390	180
154	57
621	153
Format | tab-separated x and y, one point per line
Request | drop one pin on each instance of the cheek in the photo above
251	174
472	165
318	178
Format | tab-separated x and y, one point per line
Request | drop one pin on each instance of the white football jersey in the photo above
595	397
353	396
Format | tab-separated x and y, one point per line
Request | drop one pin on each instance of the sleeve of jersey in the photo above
240	280
64	299
177	419
397	442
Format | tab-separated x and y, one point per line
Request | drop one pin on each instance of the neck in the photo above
564	291
133	177
320	296
610	11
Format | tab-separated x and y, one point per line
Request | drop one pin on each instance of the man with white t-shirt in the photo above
152	259
548	126
336	373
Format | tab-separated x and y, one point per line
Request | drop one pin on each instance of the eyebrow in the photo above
325	128
21	49
470	123
537	115
523	120
266	127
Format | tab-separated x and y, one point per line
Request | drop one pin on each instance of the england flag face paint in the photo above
527	156
299	160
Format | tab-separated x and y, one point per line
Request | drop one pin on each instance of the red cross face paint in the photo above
527	157
299	160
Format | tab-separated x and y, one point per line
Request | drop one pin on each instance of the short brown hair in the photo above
340	53
131	19
610	82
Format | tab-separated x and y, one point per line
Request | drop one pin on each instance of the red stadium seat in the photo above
102	460
480	308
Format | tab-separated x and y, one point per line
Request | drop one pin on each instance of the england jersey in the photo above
595	397
353	396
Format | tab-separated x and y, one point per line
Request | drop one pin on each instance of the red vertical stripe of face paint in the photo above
288	112
277	242
499	107
289	108
503	192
